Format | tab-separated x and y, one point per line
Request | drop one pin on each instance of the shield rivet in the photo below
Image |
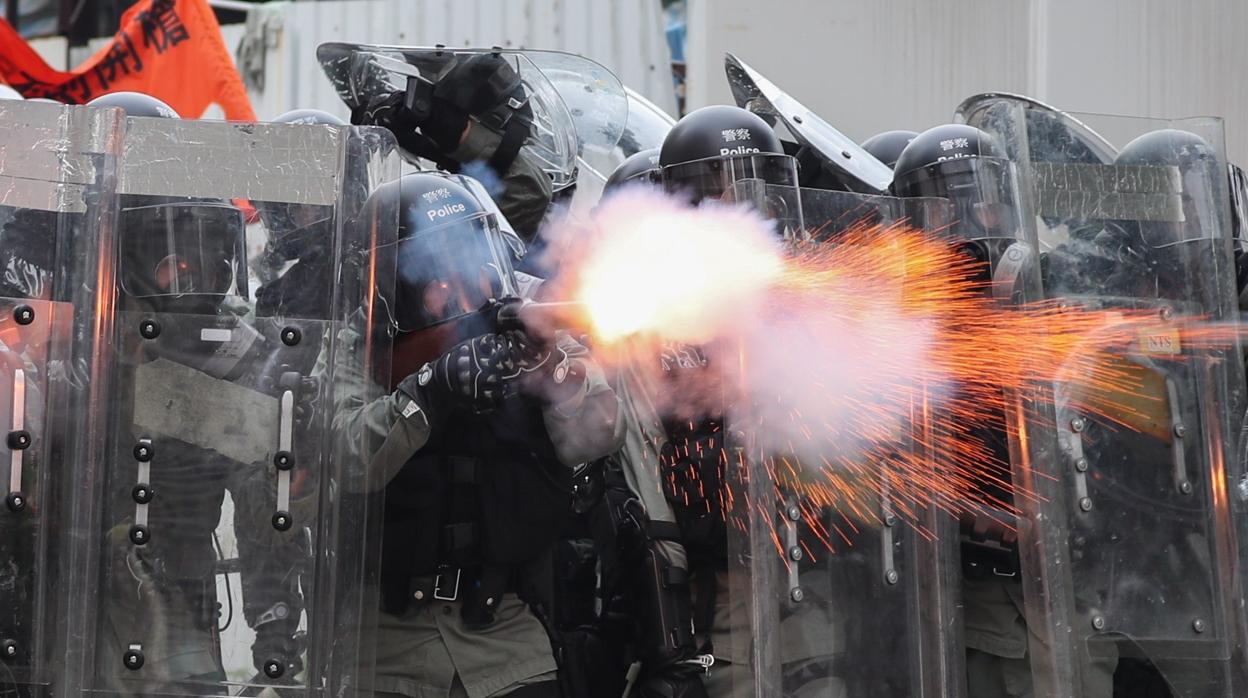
1081	464
1098	622
797	594
8	649
274	669
16	502
795	553
891	576
1085	503
1185	487
143	451
1198	625
1077	424
139	535
890	519
282	521
793	512
797	119
23	314
149	329
142	493
133	659
1180	431
291	336
1166	313
283	460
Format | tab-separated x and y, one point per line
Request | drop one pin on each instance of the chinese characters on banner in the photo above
170	49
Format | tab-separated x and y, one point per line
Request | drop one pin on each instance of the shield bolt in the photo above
133	659
18	440
1185	487
143	451
274	669
891	576
8	649
1166	313
282	460
890	519
16	501
1098	622
795	553
1085	503
797	119
291	336
1180	431
282	520
793	512
23	314
1077	424
797	594
1081	464
142	493
139	535
149	329
1198	625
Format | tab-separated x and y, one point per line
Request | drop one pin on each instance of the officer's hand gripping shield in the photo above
57	179
572	104
1129	551
228	532
832	588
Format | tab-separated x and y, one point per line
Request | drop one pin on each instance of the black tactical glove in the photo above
432	135
472	374
547	370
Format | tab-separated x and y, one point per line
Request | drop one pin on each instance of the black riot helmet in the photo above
712	148
967	167
730	154
641	167
452	259
887	146
1184	174
135	104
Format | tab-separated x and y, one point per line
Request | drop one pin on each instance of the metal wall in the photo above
624	35
872	65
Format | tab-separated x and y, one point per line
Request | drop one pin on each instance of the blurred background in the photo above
864	65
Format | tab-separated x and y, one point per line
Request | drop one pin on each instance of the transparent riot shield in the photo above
578	107
1136	590
835	586
228	528
646	128
831	160
56	188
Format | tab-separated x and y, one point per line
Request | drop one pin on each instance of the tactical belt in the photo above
477	589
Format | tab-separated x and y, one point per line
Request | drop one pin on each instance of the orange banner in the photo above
170	49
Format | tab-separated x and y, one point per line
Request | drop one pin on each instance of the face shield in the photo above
451	271
765	181
985	207
192	248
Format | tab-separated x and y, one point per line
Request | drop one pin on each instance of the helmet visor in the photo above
982	190
450	271
182	249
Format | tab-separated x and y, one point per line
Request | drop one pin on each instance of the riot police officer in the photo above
887	145
473	450
967	167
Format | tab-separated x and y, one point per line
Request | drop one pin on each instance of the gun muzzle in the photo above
544	319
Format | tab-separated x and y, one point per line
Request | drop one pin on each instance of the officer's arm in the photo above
378	430
585	421
526	191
